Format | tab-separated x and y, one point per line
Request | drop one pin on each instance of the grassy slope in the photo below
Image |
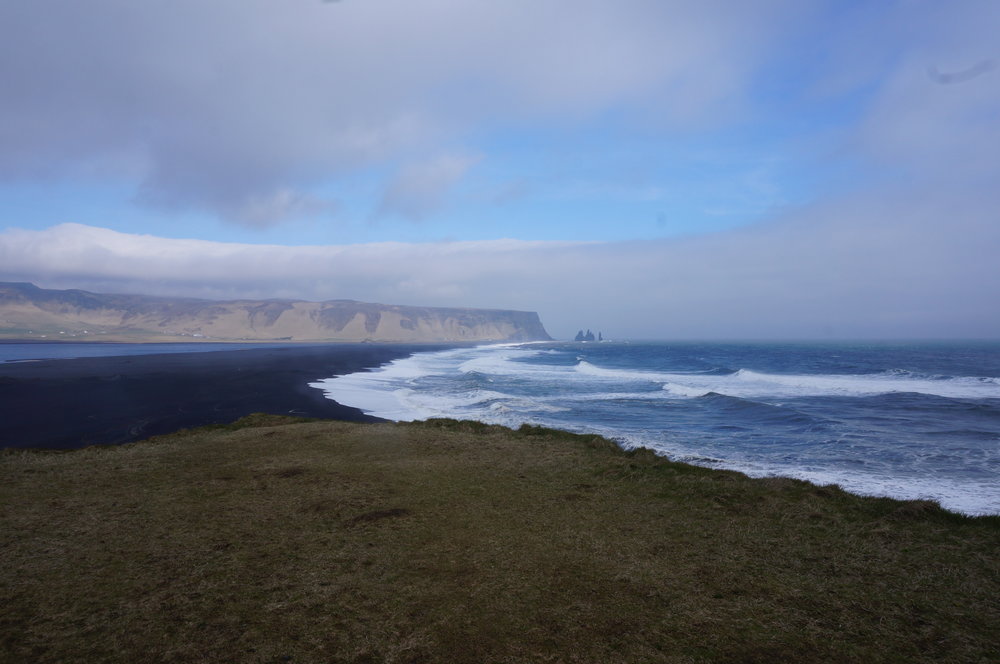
325	541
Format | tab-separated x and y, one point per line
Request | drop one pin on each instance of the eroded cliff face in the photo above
27	311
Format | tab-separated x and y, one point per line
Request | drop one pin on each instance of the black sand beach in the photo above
67	404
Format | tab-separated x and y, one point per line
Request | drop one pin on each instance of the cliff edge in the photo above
30	312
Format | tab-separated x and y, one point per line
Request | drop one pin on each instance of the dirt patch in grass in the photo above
271	540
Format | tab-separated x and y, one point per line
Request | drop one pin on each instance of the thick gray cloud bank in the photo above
243	107
871	268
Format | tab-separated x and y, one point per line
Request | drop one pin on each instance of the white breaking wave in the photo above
513	384
748	384
591	371
965	496
504	363
388	391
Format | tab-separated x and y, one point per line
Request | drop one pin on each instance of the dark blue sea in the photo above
60	350
905	420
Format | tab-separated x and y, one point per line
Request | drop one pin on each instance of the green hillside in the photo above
277	540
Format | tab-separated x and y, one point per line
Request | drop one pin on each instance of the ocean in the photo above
906	420
60	350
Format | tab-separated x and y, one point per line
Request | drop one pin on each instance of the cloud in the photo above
419	188
881	265
268	210
248	108
220	106
912	124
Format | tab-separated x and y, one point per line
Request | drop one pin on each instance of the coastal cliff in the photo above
30	312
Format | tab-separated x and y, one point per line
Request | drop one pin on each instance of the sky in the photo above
753	169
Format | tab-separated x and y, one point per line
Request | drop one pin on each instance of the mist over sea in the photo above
907	420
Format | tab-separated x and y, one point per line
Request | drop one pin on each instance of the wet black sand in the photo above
113	400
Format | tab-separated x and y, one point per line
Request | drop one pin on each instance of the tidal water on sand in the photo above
903	420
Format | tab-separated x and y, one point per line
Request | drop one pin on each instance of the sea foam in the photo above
906	433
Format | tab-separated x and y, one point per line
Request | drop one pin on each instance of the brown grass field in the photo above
276	540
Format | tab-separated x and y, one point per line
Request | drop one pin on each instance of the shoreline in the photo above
74	403
71	403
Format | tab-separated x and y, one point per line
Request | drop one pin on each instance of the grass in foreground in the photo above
271	541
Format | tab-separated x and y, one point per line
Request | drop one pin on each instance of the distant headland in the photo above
30	312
